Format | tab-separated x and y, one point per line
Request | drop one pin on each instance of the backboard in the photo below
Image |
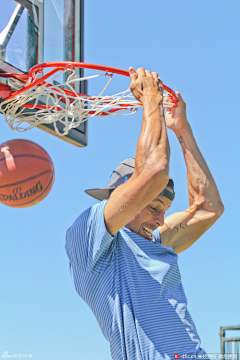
37	31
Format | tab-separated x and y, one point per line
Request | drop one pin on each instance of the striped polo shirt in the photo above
134	289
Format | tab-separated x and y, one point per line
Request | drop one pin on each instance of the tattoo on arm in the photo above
178	228
180	138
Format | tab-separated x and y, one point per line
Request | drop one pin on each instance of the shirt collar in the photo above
156	236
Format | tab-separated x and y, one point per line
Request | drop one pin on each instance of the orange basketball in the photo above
26	173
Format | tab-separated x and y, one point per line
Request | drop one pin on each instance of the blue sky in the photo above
194	46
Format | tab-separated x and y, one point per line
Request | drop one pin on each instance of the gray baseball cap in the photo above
119	176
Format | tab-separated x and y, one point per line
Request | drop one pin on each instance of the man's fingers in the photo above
168	97
179	97
133	77
132	72
141	72
144	81
155	75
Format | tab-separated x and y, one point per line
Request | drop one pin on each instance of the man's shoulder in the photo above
95	212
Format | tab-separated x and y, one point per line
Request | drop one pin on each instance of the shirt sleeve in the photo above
88	243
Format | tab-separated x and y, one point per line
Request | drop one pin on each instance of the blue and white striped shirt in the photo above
133	287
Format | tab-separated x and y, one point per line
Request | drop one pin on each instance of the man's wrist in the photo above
184	133
149	102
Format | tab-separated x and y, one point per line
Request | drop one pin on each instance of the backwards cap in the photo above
119	176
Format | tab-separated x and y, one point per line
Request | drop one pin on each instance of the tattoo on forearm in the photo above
180	138
178	228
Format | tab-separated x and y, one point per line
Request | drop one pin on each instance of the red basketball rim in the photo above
61	65
70	65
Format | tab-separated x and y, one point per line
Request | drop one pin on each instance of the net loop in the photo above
108	74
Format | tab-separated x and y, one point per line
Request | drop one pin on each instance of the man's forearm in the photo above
202	190
153	146
150	174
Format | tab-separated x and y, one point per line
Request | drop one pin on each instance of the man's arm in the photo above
183	228
152	156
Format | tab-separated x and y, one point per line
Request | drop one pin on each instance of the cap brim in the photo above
100	194
104	193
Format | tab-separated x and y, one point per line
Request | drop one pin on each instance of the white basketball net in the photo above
62	104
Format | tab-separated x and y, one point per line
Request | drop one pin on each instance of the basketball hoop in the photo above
38	98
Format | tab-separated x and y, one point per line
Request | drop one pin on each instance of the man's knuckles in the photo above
140	71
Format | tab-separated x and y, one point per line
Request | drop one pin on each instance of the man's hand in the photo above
145	85
176	118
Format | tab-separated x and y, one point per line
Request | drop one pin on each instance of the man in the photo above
123	269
